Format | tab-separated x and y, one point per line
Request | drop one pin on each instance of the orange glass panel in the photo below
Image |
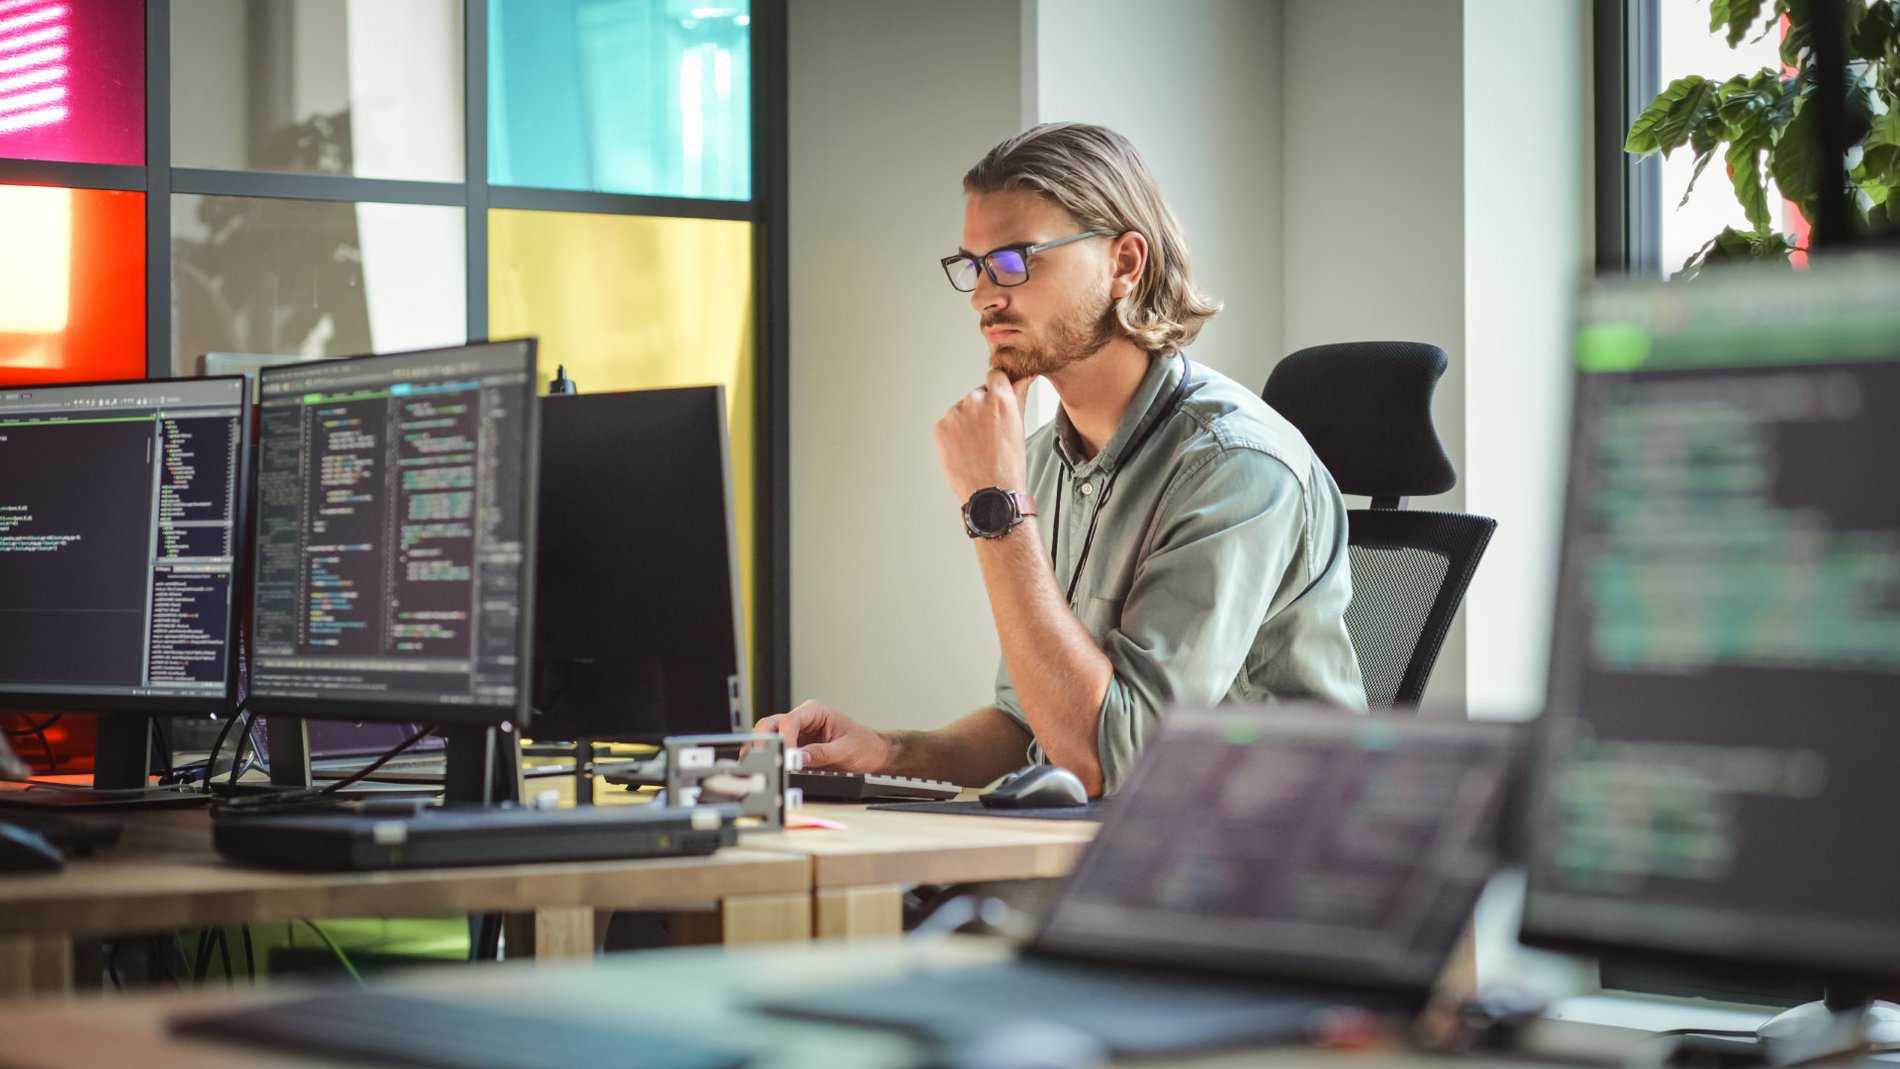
72	284
636	302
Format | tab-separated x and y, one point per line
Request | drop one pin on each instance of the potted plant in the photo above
1763	124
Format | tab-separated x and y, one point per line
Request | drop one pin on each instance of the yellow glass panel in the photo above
637	302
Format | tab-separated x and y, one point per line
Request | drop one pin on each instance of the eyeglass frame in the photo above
983	262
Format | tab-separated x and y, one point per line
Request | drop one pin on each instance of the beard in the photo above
1078	333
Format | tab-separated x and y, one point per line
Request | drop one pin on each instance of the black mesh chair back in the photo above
1366	409
1409	574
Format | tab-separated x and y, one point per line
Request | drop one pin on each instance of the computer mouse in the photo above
25	850
1036	787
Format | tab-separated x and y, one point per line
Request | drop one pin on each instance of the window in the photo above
328	177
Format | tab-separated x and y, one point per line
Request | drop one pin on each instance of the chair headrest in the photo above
1366	409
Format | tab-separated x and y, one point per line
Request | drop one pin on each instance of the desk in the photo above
858	875
679	993
164	875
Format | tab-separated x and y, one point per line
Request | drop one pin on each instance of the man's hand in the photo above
829	738
11	767
980	440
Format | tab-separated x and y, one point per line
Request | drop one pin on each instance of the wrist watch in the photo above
992	512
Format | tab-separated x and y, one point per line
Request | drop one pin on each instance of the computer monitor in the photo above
1717	776
395	542
121	511
638	632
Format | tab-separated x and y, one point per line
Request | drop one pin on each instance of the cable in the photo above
338	951
224	953
237	755
211	761
364	772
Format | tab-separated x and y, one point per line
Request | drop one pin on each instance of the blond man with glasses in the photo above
1167	539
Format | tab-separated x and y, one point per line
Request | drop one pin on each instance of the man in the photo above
1167	539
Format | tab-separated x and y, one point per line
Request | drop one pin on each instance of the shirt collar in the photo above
1163	371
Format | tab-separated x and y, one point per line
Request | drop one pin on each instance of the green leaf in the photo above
1794	161
1701	162
1687	104
1744	162
1737	15
1873	30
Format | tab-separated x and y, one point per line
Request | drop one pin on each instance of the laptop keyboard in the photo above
380	1028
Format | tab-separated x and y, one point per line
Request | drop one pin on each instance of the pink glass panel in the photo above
72	80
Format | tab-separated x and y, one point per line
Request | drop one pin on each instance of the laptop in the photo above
1260	868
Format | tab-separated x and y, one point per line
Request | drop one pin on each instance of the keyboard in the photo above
869	787
379	1028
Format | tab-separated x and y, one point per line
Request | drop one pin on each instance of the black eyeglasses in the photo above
1007	266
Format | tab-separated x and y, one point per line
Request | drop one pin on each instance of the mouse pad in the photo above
1091	811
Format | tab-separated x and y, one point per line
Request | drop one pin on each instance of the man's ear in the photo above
1127	254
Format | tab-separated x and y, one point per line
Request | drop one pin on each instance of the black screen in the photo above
637	632
1718	782
1316	845
394	528
119	505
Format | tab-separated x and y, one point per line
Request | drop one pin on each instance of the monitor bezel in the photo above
81	701
409	710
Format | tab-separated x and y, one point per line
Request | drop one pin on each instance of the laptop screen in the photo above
1295	844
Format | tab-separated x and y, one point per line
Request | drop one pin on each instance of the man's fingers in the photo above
819	754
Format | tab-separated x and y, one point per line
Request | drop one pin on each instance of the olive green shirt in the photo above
1218	568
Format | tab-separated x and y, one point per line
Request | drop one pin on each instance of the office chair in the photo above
1366	409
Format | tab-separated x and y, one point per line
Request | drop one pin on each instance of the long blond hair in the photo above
1096	174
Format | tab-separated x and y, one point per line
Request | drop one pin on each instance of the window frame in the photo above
765	210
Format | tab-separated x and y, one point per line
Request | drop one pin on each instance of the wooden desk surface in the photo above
881	846
674	993
164	874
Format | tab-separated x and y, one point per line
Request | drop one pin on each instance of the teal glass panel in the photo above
650	97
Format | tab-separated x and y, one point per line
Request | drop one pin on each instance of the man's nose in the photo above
987	296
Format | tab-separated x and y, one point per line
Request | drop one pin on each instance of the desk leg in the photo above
764	918
35	964
552	933
858	912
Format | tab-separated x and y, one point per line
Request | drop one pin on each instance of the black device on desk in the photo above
1717	781
121	512
427	837
395	549
1257	868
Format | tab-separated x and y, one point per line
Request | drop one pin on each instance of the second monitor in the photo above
638	628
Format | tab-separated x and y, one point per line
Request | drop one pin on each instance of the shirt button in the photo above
1087	489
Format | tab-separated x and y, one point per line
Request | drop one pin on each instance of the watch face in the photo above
991	511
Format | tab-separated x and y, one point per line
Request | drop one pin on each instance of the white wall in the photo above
889	105
1195	85
1375	203
1524	194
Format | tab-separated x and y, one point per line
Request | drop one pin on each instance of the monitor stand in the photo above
1848	1022
1849	1014
481	764
122	762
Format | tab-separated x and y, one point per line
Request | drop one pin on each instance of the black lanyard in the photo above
1101	501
